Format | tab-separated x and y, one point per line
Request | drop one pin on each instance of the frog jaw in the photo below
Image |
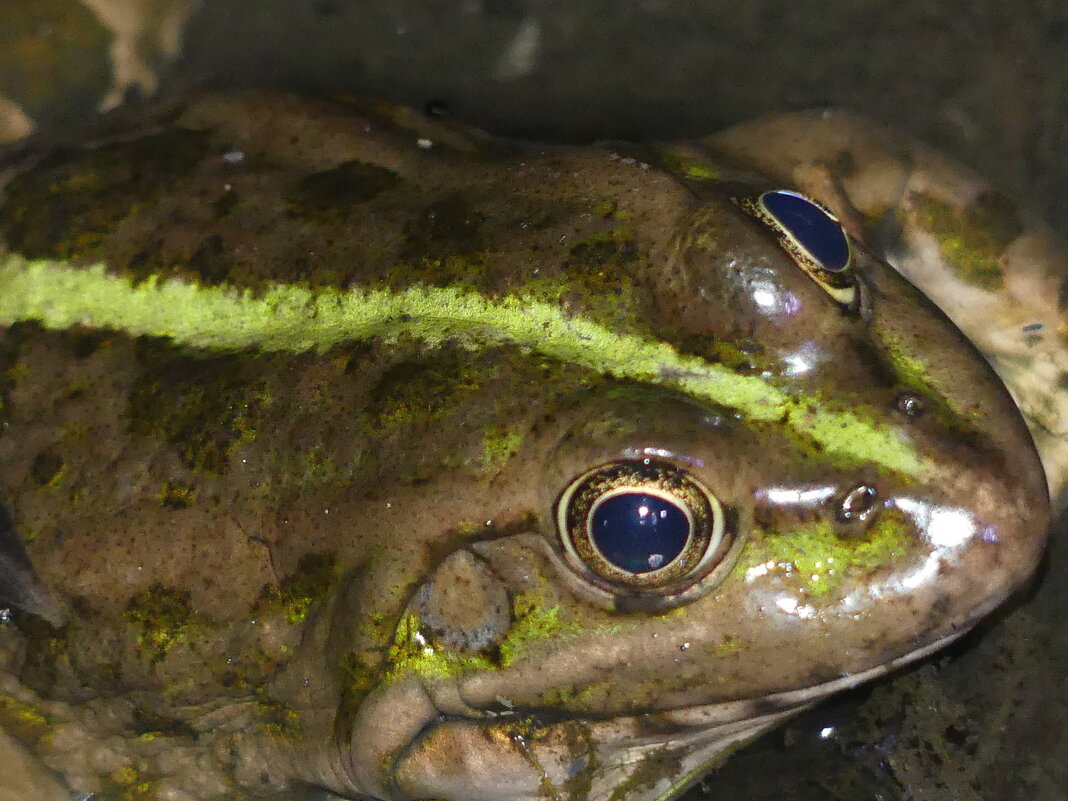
529	756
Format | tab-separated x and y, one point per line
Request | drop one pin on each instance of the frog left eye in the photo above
640	525
813	236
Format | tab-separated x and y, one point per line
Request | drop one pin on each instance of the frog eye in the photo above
640	525
813	236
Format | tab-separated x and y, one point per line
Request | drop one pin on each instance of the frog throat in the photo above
59	295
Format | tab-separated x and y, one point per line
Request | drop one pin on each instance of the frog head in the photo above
626	481
828	482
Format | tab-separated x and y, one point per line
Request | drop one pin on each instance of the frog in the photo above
350	452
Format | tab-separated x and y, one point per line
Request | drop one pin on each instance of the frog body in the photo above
322	424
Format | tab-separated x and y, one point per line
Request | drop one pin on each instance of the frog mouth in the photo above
527	755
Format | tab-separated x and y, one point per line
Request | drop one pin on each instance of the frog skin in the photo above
322	422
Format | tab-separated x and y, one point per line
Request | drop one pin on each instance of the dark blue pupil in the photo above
639	533
817	232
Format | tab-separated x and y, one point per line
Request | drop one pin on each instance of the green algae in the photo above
973	239
821	561
500	443
533	622
687	166
162	617
22	720
411	654
296	319
316	575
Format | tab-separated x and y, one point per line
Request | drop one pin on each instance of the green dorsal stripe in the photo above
288	318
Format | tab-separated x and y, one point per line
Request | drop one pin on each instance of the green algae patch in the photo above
972	240
412	654
912	372
128	784
280	721
288	318
849	438
686	165
22	720
821	561
162	617
727	646
177	495
532	623
316	575
501	443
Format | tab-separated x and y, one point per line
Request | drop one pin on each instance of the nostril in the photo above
857	504
910	404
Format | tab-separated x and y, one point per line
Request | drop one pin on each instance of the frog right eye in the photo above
644	526
813	236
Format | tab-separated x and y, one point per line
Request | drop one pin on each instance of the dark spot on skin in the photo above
86	343
210	262
844	164
69	205
204	407
337	191
447	227
1062	381
177	495
142	263
146	721
881	371
759	707
315	575
360	354
597	253
46	466
44	645
1062	295
225	203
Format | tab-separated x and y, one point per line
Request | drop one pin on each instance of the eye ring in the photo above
641	525
814	238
